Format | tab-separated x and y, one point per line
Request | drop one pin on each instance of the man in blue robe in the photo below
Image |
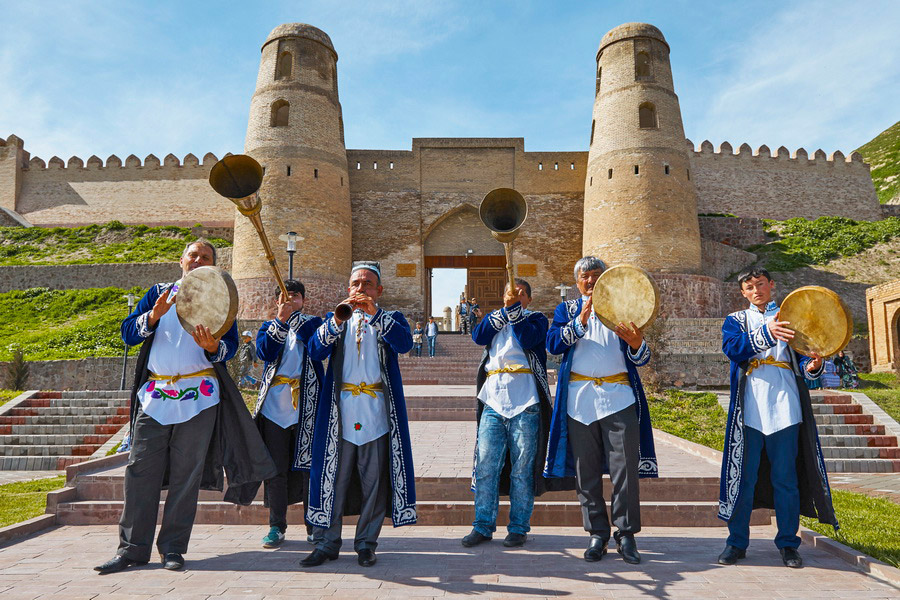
362	456
601	423
772	457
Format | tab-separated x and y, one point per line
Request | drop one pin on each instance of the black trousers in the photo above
280	443
617	439
155	448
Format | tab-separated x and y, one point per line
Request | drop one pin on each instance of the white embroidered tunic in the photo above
508	393
278	406
363	418
771	398
596	354
174	352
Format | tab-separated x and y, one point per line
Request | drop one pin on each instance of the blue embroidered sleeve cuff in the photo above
815	373
328	332
220	355
641	356
382	321
296	320
277	331
497	319
143	325
572	332
761	338
514	313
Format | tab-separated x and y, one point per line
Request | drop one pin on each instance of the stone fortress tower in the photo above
296	132
640	205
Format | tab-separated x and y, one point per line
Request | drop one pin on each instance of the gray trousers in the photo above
617	439
370	461
180	448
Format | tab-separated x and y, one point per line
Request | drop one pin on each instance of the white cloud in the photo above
818	74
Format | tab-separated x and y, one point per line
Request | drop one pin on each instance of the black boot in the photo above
731	554
791	558
596	549
627	547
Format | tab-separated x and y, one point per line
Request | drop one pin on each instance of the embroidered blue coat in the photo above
394	337
740	344
530	330
560	339
236	445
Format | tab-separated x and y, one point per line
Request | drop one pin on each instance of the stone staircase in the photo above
52	430
456	361
851	440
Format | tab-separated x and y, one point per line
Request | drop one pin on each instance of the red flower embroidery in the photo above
357	426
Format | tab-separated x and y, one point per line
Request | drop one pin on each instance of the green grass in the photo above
693	416
870	525
884	390
26	499
110	243
56	324
883	154
799	243
7	395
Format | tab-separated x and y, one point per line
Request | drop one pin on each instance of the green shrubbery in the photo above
883	153
55	324
800	243
110	243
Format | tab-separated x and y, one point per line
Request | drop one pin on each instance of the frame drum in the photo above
626	294
821	321
207	296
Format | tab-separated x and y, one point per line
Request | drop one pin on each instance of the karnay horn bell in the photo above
503	210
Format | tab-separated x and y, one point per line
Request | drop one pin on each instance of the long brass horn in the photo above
238	177
503	211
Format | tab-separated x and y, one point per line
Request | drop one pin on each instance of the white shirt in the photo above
174	352
431	329
597	354
278	406
508	393
363	418
771	399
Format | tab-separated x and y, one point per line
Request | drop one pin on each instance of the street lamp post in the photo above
291	238
563	289
130	298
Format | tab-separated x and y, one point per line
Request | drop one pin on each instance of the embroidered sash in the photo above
598	381
363	388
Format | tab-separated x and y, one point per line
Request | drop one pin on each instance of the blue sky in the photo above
104	77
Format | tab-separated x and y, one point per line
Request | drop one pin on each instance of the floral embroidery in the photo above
206	387
193	393
357	426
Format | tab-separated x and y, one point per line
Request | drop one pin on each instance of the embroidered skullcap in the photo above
369	265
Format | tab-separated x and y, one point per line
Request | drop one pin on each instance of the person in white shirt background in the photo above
431	331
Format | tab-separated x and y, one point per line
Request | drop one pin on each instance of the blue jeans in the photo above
418	348
495	435
431	341
781	448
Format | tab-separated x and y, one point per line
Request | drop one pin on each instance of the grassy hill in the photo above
883	154
110	243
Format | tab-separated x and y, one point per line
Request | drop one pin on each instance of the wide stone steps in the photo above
837	409
38	463
65	420
104	430
848	441
72	411
851	430
846	465
831	419
83	450
860	452
51	439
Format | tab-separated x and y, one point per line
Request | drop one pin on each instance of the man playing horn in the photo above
188	419
362	457
772	457
601	423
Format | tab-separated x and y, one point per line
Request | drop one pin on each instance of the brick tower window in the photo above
642	66
280	113
647	116
285	64
599	72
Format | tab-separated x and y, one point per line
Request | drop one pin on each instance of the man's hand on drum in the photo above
205	339
632	335
779	329
160	308
815	363
586	309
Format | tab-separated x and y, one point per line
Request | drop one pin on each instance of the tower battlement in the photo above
744	151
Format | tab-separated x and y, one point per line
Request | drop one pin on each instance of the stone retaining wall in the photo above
740	232
86	374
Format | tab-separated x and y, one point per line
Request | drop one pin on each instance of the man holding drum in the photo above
361	457
772	456
187	420
601	423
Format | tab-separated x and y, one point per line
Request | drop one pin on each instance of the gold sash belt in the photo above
172	379
295	387
362	388
510	369
755	363
598	381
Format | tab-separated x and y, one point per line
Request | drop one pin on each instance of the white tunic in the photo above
771	398
508	393
174	352
278	406
597	354
363	418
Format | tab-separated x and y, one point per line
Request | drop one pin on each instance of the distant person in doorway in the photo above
464	316
418	334
431	331
474	313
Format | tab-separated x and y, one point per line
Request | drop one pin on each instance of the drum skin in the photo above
821	321
207	296
626	294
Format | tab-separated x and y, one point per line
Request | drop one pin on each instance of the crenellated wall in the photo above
782	185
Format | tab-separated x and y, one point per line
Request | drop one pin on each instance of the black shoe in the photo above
514	540
627	547
118	563
366	558
172	561
596	549
474	538
791	558
317	558
731	554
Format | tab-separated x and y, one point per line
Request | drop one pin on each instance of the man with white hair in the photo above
361	456
601	423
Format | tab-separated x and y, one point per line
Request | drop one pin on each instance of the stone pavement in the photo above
227	562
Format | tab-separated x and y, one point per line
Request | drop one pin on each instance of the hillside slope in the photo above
883	154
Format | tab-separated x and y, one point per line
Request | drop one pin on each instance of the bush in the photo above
17	371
